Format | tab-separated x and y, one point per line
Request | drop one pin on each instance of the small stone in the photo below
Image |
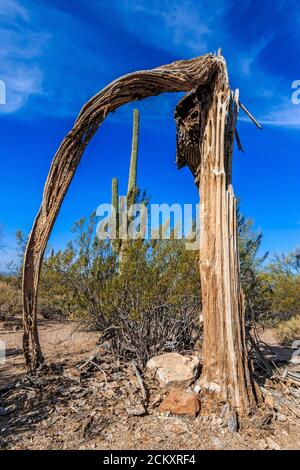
224	410
262	444
295	357
181	402
4	411
296	344
232	423
174	369
269	400
280	417
272	444
73	374
136	409
217	443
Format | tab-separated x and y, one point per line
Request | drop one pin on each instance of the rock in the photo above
73	374
4	411
174	370
224	410
232	423
135	409
295	357
281	417
269	400
180	402
217	443
262	444
296	344
272	444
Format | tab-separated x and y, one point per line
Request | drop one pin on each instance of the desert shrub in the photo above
75	278
256	286
10	299
153	305
152	302
283	276
289	330
149	304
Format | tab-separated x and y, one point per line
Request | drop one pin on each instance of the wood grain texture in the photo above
226	370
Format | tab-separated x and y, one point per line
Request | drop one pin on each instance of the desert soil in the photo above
62	409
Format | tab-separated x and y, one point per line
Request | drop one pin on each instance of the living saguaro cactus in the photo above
132	179
115	206
119	245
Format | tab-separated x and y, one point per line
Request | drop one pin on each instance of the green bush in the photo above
150	305
289	330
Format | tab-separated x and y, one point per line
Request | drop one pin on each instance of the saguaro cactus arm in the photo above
134	153
115	194
208	117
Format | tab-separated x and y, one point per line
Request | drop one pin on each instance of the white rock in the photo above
217	443
295	357
272	444
281	417
262	444
135	409
197	388
296	344
174	370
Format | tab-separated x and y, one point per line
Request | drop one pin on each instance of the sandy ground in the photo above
62	342
62	414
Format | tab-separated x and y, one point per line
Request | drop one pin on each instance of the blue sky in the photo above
56	54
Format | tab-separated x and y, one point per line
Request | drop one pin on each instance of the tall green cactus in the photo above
120	245
115	194
132	186
115	205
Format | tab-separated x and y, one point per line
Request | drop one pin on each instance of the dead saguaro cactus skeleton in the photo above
206	125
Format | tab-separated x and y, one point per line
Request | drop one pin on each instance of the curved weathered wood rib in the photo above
183	75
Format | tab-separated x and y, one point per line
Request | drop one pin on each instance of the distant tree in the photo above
256	287
283	275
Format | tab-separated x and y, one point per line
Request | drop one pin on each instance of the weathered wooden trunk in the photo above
226	369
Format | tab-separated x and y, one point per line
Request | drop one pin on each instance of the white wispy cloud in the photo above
20	49
52	61
41	58
248	60
285	115
182	27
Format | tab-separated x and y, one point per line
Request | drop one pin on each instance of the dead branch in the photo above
140	382
259	126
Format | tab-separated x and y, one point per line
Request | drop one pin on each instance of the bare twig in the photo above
259	126
90	359
140	382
